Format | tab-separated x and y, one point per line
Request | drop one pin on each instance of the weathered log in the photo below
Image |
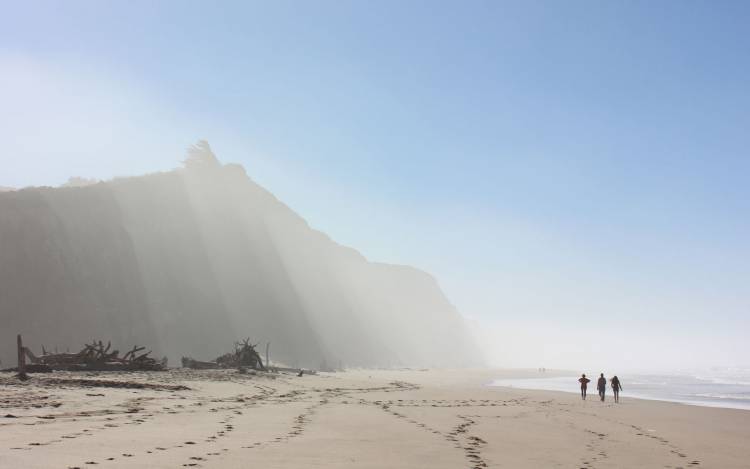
188	362
30	355
294	370
97	356
131	353
21	359
245	355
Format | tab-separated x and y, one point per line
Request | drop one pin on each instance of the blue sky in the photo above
574	173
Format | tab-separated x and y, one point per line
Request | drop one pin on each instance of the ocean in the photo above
729	388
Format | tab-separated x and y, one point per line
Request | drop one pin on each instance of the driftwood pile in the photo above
244	356
97	357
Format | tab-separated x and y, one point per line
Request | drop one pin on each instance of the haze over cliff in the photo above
187	261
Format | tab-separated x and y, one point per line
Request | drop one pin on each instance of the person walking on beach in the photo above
601	386
616	387
584	381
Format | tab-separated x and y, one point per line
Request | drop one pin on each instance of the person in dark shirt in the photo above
584	381
601	386
616	387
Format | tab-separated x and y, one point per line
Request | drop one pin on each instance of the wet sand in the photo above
359	418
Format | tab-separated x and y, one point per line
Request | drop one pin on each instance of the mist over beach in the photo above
397	234
186	260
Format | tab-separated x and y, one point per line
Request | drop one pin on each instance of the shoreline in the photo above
552	384
356	418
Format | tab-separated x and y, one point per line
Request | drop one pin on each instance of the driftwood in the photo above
21	359
97	357
188	362
298	371
244	356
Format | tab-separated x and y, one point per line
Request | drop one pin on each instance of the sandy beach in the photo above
360	418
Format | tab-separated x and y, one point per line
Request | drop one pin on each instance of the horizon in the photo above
574	176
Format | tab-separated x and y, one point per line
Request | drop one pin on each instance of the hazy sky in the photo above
575	174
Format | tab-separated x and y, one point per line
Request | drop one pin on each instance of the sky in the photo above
575	174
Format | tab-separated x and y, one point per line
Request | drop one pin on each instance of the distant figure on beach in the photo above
584	381
601	386
616	387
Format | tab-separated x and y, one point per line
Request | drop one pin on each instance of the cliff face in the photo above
188	261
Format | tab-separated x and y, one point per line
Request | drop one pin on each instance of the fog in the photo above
642	281
187	261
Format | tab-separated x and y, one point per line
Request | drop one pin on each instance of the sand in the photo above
360	418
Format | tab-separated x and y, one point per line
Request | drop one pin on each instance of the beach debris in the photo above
21	360
95	357
244	356
297	371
